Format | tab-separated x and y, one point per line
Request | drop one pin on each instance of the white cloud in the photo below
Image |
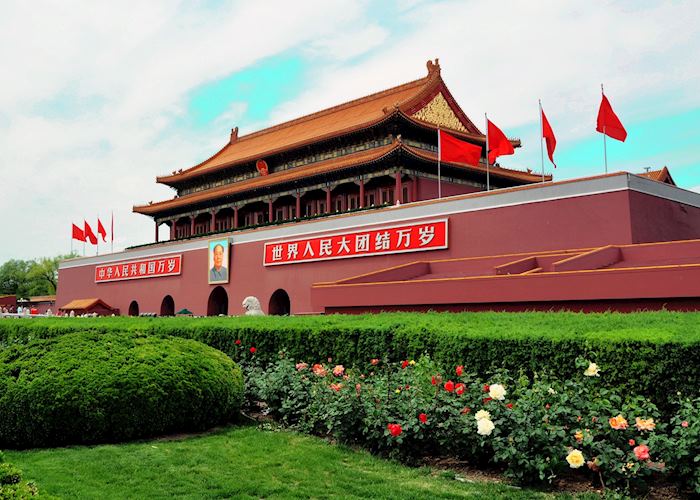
135	62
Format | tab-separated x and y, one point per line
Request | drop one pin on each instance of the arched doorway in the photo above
134	308
218	302
279	304
167	307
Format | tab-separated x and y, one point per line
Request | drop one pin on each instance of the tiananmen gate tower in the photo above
338	211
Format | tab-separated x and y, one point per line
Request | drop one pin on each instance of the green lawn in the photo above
239	463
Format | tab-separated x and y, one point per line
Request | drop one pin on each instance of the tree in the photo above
26	278
13	277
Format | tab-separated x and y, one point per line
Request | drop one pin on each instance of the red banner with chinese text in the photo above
136	269
386	240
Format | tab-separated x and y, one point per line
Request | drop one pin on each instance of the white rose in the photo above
497	391
484	427
551	391
482	415
592	370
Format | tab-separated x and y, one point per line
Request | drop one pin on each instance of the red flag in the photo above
101	230
549	138
499	145
78	233
89	235
608	122
452	149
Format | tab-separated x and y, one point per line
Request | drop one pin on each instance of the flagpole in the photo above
541	137
97	250
488	180
112	234
605	148
439	176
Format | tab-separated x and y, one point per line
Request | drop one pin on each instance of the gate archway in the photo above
218	302
167	307
279	303
134	308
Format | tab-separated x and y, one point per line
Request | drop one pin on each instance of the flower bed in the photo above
535	428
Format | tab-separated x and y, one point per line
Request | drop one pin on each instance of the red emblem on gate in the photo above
261	165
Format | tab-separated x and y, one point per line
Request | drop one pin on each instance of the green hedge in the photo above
643	353
87	387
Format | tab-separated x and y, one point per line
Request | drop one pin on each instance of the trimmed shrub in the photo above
12	487
640	353
87	387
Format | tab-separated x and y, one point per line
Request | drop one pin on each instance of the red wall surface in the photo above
577	222
656	219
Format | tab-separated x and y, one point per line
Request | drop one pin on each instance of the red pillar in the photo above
212	226
191	225
328	200
156	231
172	229
398	192
269	211
235	217
414	189
298	205
362	193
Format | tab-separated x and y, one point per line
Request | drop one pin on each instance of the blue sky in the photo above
102	98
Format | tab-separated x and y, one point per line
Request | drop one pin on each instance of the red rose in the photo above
487	388
509	406
394	429
238	342
404	363
460	370
466	410
374	361
486	400
459	389
449	386
684	423
547	406
423	418
433	380
631	442
252	350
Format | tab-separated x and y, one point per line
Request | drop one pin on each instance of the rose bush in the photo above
535	428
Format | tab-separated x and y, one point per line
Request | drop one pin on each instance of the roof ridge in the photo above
337	107
304	118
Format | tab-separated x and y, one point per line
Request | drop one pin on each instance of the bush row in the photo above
656	345
536	429
12	486
87	387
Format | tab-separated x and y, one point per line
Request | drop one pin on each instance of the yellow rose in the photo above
619	423
575	459
482	415
579	436
592	370
497	391
645	424
484	427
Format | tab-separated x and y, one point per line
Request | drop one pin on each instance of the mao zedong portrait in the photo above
218	272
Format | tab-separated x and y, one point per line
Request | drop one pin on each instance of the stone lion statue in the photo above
252	306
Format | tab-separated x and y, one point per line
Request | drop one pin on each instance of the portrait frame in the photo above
214	274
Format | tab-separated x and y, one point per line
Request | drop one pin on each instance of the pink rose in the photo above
641	452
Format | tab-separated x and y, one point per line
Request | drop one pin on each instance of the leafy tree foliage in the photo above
26	278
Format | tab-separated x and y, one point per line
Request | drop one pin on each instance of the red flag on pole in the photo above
499	145
78	233
549	138
608	122
89	235
101	230
455	150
